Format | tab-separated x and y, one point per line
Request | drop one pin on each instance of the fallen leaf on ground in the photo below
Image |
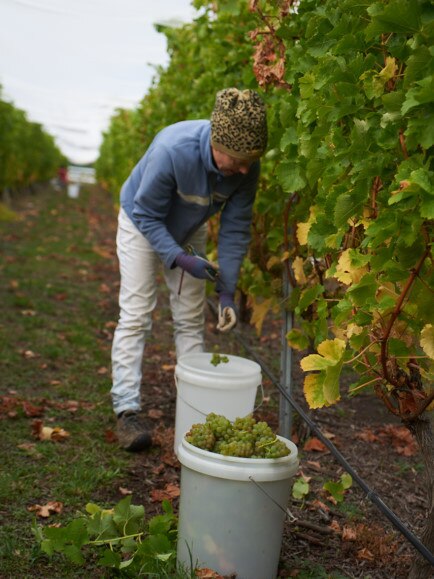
155	414
168	367
314	444
207	574
32	410
45	433
170	492
28	354
314	464
110	436
46	510
349	534
365	554
335	526
101	371
367	435
317	504
125	491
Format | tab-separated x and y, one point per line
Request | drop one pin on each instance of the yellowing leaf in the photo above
297	266
346	272
330	352
389	71
302	232
260	310
315	362
427	340
313	391
304	227
332	349
273	261
297	340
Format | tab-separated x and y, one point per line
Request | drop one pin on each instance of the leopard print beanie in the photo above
239	124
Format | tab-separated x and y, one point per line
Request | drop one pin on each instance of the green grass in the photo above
52	346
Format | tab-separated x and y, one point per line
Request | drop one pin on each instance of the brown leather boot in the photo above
132	434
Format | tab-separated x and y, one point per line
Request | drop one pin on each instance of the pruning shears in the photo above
212	272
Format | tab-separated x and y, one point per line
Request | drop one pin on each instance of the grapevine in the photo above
244	437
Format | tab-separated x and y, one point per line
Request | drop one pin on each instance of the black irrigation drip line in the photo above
370	494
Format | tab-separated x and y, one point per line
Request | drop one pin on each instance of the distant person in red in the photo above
62	175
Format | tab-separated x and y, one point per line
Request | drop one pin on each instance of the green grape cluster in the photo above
244	437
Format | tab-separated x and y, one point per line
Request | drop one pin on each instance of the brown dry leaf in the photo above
55	382
349	534
171	491
46	510
314	464
402	440
103	370
168	367
31	410
205	573
125	491
60	297
155	414
45	433
317	504
314	444
110	436
104	288
28	313
365	554
110	325
335	526
28	354
367	435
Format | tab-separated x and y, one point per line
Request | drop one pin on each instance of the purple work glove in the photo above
196	266
227	316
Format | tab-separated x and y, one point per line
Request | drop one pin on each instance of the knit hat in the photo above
239	124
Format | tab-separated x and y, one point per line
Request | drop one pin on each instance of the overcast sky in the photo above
70	63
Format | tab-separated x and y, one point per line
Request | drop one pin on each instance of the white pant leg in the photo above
188	306
138	265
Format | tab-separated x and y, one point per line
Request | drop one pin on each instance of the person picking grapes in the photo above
191	171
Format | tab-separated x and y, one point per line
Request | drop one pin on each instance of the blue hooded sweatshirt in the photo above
176	187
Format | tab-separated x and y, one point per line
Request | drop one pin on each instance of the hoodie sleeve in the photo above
152	203
235	230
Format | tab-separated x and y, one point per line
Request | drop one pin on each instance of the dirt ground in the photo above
350	539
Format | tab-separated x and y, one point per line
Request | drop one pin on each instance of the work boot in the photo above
132	434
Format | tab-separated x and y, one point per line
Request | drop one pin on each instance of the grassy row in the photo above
57	312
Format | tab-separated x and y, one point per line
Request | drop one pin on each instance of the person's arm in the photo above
152	204
235	231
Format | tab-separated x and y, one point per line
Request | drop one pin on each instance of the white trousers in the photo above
139	264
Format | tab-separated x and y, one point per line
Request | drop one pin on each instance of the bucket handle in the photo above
291	518
203	413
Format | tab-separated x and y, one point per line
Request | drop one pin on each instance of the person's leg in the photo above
187	301
137	299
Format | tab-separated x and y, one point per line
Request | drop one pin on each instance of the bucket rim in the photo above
251	368
293	455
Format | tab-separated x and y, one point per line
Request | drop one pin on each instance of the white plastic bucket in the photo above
229	388
232	511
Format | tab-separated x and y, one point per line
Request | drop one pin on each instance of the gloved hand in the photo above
196	266
227	316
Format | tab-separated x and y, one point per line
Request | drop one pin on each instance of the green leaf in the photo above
297	339
127	517
73	553
110	558
421	94
401	16
364	291
308	296
290	177
300	488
